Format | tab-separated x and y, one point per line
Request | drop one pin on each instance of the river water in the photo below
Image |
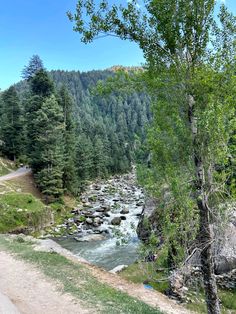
118	244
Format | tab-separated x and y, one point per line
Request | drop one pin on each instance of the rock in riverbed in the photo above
124	211
116	221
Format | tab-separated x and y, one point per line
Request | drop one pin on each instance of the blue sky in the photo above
41	27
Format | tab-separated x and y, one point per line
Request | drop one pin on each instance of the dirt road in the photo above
6	306
31	292
15	174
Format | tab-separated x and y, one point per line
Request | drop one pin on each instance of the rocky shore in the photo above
108	208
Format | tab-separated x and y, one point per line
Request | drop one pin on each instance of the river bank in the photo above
40	268
102	229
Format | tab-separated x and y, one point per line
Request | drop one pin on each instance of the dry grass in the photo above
26	184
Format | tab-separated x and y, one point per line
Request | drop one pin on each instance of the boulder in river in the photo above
89	221
98	220
124	211
116	221
91	237
100	210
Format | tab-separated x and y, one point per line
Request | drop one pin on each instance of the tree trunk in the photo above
207	262
205	234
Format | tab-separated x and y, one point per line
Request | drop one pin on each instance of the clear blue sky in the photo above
41	27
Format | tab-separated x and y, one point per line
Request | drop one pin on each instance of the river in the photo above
106	222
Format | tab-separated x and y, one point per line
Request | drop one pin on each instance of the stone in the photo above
106	208
87	204
124	211
100	210
228	280
140	203
91	237
122	217
118	269
97	220
89	221
116	221
100	215
75	211
116	200
96	187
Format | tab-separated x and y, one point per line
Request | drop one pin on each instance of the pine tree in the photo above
12	125
70	181
49	148
45	135
99	158
41	84
34	66
84	158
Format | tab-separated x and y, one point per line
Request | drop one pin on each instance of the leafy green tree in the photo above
180	41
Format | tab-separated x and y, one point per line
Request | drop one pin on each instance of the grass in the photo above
25	184
18	211
140	272
227	298
77	280
5	167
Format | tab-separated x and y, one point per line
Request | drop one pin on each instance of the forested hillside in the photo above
88	135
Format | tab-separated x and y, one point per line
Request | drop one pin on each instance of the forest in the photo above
67	133
153	146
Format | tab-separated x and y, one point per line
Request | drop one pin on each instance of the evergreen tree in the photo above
49	148
99	158
70	181
41	84
34	66
11	125
84	158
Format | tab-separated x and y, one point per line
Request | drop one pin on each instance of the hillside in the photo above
116	123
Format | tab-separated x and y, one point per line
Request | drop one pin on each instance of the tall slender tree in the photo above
49	148
12	125
34	66
70	181
177	40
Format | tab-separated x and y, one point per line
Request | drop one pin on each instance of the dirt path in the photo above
31	292
15	174
6	306
151	297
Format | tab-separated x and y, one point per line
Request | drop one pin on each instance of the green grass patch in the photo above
141	272
145	272
19	211
78	281
227	298
6	167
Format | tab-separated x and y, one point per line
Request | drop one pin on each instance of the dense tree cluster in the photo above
67	133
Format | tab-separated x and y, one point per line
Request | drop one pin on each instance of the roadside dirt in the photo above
15	174
151	297
31	292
